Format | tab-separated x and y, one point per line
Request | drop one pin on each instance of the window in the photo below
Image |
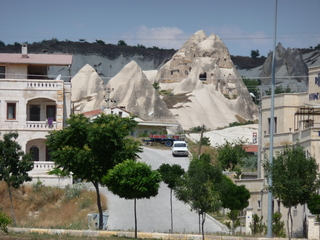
11	111
34	151
275	125
2	72
51	112
35	113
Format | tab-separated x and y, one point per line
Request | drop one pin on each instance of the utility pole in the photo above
270	195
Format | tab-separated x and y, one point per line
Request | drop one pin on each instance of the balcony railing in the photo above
43	166
41	125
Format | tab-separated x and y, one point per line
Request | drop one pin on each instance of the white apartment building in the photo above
33	104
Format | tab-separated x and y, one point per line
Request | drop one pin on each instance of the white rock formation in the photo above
133	91
86	89
203	71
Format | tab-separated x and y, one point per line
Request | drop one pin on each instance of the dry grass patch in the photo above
51	207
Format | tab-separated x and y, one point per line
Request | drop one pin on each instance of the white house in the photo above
33	104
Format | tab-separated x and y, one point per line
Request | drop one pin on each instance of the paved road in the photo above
154	214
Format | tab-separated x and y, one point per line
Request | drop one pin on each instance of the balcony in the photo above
43	166
41	125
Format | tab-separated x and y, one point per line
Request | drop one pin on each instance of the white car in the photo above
180	148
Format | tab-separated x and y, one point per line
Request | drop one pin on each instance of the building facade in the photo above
296	118
33	104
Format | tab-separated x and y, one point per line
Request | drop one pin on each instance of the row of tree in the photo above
100	151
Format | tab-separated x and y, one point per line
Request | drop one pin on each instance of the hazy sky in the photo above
243	25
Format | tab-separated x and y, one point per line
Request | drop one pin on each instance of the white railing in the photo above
43	84
41	166
41	125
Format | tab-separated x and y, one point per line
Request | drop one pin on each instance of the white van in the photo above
180	148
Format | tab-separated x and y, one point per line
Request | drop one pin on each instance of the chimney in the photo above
24	50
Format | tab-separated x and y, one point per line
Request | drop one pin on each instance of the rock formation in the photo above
290	70
202	70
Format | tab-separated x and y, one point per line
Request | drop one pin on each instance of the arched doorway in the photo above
34	151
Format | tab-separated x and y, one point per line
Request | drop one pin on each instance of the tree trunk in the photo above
135	219
233	228
288	226
96	185
291	224
171	210
202	225
199	223
12	212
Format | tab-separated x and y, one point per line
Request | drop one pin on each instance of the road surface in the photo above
153	215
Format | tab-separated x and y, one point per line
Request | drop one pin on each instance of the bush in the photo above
257	227
278	226
4	222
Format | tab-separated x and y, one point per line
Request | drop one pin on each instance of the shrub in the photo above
257	227
4	222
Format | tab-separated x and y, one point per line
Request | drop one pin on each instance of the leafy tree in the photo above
314	205
4	222
234	198
279	89
231	153
278	229
141	46
253	87
133	180
257	226
2	44
170	175
100	42
317	47
89	149
198	187
255	53
294	178
14	165
122	43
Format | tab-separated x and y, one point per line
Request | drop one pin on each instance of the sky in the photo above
243	25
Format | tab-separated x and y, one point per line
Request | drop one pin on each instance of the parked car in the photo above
180	148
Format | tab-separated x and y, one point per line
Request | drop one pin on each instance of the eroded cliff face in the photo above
290	70
202	70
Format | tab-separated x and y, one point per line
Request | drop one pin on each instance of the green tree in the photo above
100	42
122	43
198	187
314	205
256	226
2	44
133	180
14	165
89	149
279	89
234	198
231	153
170	176
294	178
278	229
4	222
253	87
255	53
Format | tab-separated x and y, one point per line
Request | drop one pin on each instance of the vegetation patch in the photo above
39	206
171	100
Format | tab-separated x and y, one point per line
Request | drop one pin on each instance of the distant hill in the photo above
112	51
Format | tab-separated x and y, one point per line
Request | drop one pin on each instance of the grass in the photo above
37	236
37	206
